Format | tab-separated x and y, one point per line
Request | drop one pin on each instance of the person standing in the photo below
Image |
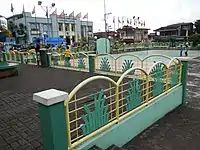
37	50
67	55
186	49
181	51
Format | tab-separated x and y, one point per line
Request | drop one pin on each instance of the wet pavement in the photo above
180	129
19	118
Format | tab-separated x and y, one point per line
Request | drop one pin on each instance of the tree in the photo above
12	28
197	26
18	31
195	39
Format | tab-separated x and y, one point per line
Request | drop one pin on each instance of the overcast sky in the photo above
156	13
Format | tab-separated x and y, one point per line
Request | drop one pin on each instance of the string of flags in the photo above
71	15
62	15
135	21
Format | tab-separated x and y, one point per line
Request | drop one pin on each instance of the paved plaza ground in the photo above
19	118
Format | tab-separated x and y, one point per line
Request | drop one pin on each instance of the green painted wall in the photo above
123	132
101	46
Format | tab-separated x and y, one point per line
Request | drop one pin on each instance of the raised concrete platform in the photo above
8	69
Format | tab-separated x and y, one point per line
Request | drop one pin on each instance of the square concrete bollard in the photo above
52	118
184	61
91	61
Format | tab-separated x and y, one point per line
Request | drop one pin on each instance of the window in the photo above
90	28
60	27
72	27
45	27
67	27
34	26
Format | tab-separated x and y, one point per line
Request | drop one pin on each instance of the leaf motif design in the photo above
127	64
97	118
157	73
134	97
105	65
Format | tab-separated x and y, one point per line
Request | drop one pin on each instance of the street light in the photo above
47	9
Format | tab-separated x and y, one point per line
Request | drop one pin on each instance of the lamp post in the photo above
44	37
47	9
95	38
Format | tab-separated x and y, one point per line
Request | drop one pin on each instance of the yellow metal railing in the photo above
77	61
15	56
121	63
99	102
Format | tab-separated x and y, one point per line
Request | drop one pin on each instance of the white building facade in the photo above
3	22
71	29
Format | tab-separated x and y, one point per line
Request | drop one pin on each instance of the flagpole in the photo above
118	22
25	22
105	19
64	24
57	23
114	24
35	18
87	33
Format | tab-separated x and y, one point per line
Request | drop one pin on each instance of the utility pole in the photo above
106	25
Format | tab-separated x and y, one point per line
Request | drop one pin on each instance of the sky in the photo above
156	13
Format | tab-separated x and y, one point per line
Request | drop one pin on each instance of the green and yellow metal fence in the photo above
118	65
77	61
90	113
15	56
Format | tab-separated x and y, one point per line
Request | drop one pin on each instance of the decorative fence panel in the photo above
121	63
76	61
90	113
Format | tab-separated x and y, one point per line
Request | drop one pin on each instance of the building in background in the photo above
4	33
111	34
130	34
71	29
3	23
178	31
152	36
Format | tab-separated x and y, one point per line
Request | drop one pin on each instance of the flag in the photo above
33	12
122	20
128	21
138	18
86	16
113	19
23	10
55	12
144	23
71	15
133	17
78	15
131	21
119	20
11	9
47	14
62	14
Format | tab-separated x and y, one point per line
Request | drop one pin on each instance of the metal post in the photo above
105	19
47	14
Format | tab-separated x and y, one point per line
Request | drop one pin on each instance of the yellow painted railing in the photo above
77	61
100	102
14	56
119	64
